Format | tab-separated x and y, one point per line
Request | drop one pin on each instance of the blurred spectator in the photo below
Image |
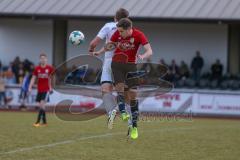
217	69
173	67
24	88
183	70
173	71
2	90
20	74
196	66
15	67
27	65
9	75
162	62
1	67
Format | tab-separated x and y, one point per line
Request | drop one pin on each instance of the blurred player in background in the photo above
3	101
43	74
127	41
106	78
24	89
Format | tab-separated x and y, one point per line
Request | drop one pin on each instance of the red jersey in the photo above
43	75
128	46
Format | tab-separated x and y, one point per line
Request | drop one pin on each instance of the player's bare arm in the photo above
147	53
93	44
99	52
33	79
110	46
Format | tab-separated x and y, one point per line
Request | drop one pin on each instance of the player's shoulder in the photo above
37	67
137	31
49	66
111	25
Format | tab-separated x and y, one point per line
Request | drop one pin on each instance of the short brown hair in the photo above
121	13
125	23
43	55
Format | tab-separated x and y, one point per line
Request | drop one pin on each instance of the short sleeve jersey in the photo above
43	76
106	33
129	46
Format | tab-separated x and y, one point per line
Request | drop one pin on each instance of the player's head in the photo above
124	27
43	59
121	13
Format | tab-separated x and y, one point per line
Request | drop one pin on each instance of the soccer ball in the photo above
76	38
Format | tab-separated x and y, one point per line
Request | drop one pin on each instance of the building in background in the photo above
176	29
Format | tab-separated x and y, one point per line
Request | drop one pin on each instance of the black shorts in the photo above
122	73
42	96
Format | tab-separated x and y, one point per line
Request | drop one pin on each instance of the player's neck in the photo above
43	65
130	33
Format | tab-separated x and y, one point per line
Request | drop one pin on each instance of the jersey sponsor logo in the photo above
132	40
126	45
42	75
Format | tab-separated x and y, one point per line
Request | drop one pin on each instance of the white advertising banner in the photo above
180	101
14	100
203	103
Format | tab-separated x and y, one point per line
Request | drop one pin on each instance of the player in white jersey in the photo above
106	33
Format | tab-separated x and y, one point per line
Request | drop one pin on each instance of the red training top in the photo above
128	46
43	75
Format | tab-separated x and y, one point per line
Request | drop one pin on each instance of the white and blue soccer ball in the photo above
76	38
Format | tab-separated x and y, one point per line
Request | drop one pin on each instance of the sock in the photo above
109	102
135	113
39	116
128	109
121	103
44	117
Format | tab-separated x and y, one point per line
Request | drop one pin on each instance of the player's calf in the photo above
121	105
135	114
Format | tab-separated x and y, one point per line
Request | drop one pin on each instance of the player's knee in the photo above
106	88
132	95
120	98
120	87
42	104
134	102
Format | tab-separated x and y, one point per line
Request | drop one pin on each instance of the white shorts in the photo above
107	71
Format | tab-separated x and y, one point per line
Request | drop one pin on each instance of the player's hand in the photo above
95	53
51	92
91	50
29	91
110	46
141	57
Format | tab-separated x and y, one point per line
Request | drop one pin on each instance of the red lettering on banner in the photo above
233	108
167	104
168	97
206	106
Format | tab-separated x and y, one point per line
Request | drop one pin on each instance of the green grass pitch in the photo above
198	139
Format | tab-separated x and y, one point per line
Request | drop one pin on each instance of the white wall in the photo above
169	41
89	29
25	38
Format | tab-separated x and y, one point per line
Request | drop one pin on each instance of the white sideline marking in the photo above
91	137
81	139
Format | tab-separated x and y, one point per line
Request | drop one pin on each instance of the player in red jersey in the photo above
43	74
127	41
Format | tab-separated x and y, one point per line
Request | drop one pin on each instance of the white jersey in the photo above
106	32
